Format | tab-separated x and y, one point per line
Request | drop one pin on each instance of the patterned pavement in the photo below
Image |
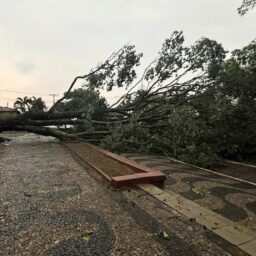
230	198
52	204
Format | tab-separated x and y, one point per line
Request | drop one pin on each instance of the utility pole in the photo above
53	97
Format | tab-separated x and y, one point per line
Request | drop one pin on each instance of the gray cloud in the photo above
25	66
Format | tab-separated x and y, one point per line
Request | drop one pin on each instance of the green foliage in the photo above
190	103
127	137
188	138
176	60
87	100
214	120
118	71
246	6
238	79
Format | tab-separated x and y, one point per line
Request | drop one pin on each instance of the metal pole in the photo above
53	96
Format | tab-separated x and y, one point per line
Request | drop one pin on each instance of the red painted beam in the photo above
133	179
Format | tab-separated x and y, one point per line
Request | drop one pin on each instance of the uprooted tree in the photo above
185	103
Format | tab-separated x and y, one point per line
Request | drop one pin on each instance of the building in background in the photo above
6	112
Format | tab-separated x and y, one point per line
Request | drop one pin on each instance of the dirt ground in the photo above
51	203
111	167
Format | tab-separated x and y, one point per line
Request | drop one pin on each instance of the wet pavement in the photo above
230	198
52	203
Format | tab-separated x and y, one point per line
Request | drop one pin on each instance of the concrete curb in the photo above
143	174
210	171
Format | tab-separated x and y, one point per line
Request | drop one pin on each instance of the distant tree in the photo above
27	104
246	6
37	105
238	84
239	74
83	99
22	104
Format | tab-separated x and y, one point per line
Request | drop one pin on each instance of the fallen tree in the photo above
167	109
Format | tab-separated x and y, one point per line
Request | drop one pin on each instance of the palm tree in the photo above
22	104
37	105
32	104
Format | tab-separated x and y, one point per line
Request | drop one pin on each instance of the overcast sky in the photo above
45	43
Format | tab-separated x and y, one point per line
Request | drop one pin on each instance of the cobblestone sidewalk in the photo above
51	203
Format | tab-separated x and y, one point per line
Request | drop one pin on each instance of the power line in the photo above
13	100
44	94
50	94
34	93
5	98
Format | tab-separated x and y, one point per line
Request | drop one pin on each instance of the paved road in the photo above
51	203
